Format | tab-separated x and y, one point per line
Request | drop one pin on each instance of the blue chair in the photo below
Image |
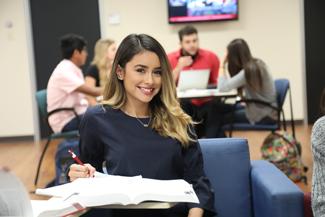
41	98
245	188
282	86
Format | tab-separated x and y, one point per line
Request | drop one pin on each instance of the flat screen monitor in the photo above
185	11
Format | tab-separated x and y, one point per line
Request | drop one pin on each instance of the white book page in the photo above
110	190
85	186
166	191
54	207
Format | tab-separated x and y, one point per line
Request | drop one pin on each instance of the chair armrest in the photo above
274	195
59	110
62	109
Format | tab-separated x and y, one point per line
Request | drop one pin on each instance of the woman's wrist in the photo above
222	69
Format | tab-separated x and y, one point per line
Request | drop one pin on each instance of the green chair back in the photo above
41	98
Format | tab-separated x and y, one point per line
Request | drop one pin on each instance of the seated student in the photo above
97	73
140	129
318	149
66	86
191	56
252	79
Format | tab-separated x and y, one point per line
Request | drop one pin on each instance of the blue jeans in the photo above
240	117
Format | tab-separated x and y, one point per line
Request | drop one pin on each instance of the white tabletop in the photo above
200	93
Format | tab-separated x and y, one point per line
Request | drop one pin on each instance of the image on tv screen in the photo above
182	11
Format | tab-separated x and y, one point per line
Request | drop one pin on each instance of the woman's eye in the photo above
157	72
141	70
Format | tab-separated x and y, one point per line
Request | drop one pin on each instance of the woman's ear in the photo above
120	72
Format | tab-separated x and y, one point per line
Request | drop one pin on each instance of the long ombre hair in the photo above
100	59
240	57
168	119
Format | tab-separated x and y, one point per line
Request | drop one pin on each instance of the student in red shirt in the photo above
191	56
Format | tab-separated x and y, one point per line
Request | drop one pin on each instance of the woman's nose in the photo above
148	78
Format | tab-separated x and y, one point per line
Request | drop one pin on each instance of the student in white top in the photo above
66	86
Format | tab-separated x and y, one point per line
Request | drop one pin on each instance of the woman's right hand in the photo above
81	171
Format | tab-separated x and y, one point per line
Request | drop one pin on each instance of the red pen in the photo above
75	158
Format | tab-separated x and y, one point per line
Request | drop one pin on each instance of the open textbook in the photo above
121	192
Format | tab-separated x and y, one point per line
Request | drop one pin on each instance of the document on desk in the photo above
120	190
198	93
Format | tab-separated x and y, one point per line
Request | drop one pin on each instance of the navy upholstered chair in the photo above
282	87
245	188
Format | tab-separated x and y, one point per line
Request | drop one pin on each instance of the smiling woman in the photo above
141	122
142	79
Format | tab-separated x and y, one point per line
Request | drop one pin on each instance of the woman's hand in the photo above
81	171
195	212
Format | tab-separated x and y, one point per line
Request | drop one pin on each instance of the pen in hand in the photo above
75	158
78	161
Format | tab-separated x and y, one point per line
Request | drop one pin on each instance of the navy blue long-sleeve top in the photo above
129	149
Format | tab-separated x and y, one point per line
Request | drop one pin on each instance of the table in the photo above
201	93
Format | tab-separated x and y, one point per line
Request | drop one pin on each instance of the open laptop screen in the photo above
193	79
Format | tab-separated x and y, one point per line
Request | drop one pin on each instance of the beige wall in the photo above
272	29
16	116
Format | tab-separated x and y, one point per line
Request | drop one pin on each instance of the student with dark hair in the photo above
66	86
139	122
251	77
318	150
191	56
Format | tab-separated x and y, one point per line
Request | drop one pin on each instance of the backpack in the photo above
284	151
63	159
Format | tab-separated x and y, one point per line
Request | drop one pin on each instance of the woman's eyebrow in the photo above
140	65
144	66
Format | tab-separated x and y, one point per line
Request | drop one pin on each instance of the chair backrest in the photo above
227	165
42	102
281	86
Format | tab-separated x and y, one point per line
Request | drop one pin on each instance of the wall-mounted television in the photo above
185	11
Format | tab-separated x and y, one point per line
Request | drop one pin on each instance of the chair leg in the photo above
40	160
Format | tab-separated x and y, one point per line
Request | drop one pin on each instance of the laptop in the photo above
193	79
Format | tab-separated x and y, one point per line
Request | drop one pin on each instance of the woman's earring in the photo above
119	76
119	73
